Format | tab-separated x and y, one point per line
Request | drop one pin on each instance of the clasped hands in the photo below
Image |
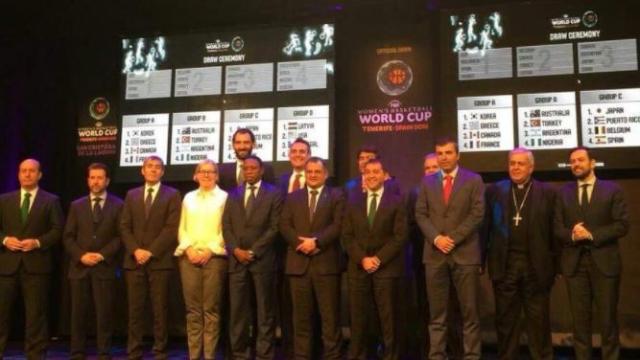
308	245
25	245
142	256
580	232
370	264
244	256
91	259
444	243
198	257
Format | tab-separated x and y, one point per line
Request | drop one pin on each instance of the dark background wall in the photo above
54	56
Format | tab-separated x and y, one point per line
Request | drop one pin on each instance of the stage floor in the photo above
58	350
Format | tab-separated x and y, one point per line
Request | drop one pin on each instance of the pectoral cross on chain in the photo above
517	219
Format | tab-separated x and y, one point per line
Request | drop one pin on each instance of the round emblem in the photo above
394	77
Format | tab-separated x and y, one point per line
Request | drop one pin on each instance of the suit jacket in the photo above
255	231
81	235
228	181
385	238
157	234
606	218
460	219
325	227
45	222
542	247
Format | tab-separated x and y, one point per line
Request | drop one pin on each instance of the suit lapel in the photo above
459	180
35	207
259	198
436	186
321	206
384	199
505	198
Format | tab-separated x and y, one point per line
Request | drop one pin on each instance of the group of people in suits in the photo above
224	237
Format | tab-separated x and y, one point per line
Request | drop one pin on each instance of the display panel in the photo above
182	97
540	75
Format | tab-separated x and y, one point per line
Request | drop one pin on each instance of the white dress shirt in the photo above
201	221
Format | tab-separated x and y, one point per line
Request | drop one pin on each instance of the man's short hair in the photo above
302	141
586	149
374	161
523	150
206	162
153	158
444	140
317	160
430	155
368	149
244	131
254	157
99	166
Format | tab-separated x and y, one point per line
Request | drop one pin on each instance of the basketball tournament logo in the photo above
394	77
99	109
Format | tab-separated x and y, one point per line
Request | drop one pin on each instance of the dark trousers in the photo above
243	285
143	283
465	278
83	291
382	292
588	284
34	288
307	292
519	290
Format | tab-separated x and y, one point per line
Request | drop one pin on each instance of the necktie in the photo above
97	210
240	178
373	207
584	197
147	202
296	183
24	208
312	204
250	200
448	185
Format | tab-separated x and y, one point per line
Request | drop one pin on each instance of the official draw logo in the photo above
394	77
99	109
590	19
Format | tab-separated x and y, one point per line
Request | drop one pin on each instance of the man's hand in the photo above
142	256
308	245
370	264
29	244
445	244
580	233
91	259
12	243
243	256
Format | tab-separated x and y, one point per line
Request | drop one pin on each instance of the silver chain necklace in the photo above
518	209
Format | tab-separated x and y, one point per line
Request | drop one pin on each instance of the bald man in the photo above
31	224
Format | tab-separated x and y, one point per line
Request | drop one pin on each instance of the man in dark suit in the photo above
357	183
250	227
374	233
299	153
31	224
243	142
92	239
522	256
449	211
590	217
149	226
310	223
